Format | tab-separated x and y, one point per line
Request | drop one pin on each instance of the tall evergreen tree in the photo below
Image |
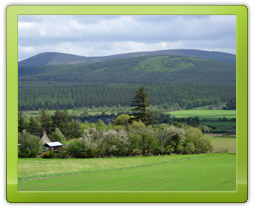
57	119
34	126
139	108
22	122
46	121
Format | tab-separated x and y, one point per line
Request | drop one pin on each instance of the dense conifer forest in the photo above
185	96
186	82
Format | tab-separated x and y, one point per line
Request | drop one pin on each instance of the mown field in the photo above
205	114
223	144
204	172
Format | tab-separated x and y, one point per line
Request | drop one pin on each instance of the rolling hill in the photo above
53	58
169	79
138	70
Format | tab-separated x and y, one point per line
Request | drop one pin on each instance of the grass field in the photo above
204	114
204	172
222	144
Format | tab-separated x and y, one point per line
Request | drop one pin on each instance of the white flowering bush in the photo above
139	139
93	139
171	140
116	142
92	134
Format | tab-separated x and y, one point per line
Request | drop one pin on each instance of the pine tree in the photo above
34	126
46	121
139	108
22	122
57	119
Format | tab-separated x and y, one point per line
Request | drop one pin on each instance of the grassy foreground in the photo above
204	172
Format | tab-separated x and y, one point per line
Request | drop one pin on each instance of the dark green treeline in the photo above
185	96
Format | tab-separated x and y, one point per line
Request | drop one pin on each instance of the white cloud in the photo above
99	35
26	49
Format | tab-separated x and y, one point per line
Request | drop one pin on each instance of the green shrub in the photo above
149	144
135	143
178	124
57	136
49	154
77	149
143	140
204	128
31	146
198	139
135	125
61	153
100	125
122	119
88	146
45	154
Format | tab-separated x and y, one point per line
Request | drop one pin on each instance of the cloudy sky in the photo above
101	35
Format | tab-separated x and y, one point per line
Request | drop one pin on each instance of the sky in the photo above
102	35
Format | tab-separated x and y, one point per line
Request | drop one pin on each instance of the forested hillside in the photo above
173	80
140	70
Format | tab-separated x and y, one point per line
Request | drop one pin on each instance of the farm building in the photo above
47	143
44	138
53	145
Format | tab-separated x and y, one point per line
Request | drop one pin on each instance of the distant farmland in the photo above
205	114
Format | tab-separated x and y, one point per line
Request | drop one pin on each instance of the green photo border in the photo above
241	193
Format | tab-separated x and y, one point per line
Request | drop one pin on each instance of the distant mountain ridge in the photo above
54	58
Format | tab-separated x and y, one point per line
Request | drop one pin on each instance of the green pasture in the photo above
223	144
204	114
204	172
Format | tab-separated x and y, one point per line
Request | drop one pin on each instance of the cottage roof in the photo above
44	138
53	144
